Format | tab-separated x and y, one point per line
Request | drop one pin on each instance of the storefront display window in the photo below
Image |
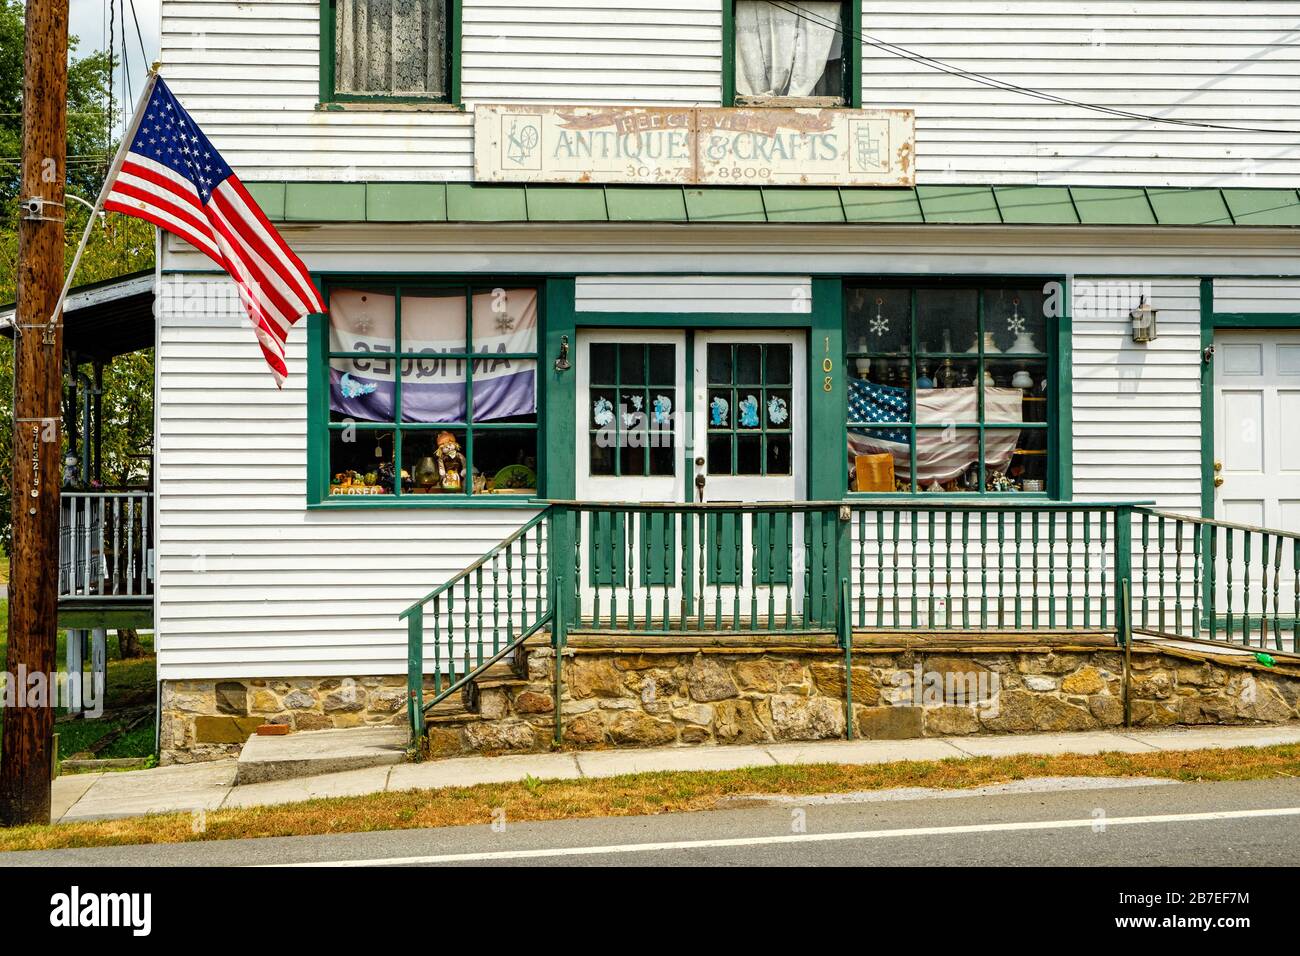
432	390
949	388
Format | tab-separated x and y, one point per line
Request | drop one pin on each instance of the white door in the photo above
1256	417
1256	457
750	427
632	439
738	437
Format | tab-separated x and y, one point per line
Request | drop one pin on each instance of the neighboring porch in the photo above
105	573
830	590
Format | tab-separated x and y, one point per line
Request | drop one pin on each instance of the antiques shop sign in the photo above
773	146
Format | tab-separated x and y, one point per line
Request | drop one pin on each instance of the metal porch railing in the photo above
882	567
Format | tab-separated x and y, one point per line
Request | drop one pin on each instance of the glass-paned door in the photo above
749	423
631	450
658	426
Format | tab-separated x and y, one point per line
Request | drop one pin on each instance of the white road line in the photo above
805	838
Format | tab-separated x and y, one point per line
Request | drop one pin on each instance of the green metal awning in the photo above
986	205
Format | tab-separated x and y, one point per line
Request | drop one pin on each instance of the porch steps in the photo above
501	674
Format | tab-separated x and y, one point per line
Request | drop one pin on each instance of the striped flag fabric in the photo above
171	175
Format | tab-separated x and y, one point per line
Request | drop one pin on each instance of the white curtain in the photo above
781	51
390	47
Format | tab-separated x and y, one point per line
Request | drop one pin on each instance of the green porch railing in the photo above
1216	581
839	567
711	567
479	617
989	565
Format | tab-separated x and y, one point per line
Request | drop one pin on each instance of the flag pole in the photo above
104	190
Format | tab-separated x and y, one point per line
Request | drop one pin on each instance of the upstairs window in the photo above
791	52
390	49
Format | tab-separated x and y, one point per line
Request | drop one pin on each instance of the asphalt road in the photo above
1205	824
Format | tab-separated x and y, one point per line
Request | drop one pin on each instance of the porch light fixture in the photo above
562	362
1144	322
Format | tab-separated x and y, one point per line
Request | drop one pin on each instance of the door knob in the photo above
1218	466
1218	480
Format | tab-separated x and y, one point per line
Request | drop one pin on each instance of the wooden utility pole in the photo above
25	755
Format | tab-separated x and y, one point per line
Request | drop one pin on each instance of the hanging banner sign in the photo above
727	147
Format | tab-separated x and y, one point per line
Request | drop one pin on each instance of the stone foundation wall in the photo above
658	699
207	720
641	699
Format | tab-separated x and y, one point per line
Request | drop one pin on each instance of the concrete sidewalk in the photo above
210	786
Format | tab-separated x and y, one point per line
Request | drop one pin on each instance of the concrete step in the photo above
311	752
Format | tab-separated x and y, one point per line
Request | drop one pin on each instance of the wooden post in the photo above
75	666
98	668
33	593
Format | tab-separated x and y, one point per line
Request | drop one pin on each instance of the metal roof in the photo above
986	205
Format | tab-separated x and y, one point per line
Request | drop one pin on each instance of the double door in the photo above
671	418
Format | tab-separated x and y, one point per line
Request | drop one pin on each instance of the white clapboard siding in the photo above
693	294
249	582
1219	62
1257	295
250	74
1137	408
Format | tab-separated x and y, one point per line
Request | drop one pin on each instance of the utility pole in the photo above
25	757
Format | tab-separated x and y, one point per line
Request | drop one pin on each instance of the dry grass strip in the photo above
640	794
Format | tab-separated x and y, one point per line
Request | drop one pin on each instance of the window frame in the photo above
331	99
1057	356
852	61
320	428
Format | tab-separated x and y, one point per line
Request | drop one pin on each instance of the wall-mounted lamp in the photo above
1144	322
562	363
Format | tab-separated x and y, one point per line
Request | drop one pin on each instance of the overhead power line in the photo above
990	81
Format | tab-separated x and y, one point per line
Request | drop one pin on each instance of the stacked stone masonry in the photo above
645	699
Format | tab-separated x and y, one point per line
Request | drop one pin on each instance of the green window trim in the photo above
852	46
320	428
329	98
1058	356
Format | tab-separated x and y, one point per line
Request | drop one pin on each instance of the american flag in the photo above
171	175
943	453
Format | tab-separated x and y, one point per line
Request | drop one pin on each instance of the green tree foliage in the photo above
119	245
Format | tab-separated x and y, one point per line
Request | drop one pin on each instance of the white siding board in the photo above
1257	295
249	72
688	294
1120	386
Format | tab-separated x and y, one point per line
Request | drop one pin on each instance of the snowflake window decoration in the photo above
1016	324
880	324
749	412
603	412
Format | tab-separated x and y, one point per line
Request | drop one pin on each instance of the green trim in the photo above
329	97
980	204
559	394
1060	439
827	473
318	452
1207	401
92	614
1256	320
